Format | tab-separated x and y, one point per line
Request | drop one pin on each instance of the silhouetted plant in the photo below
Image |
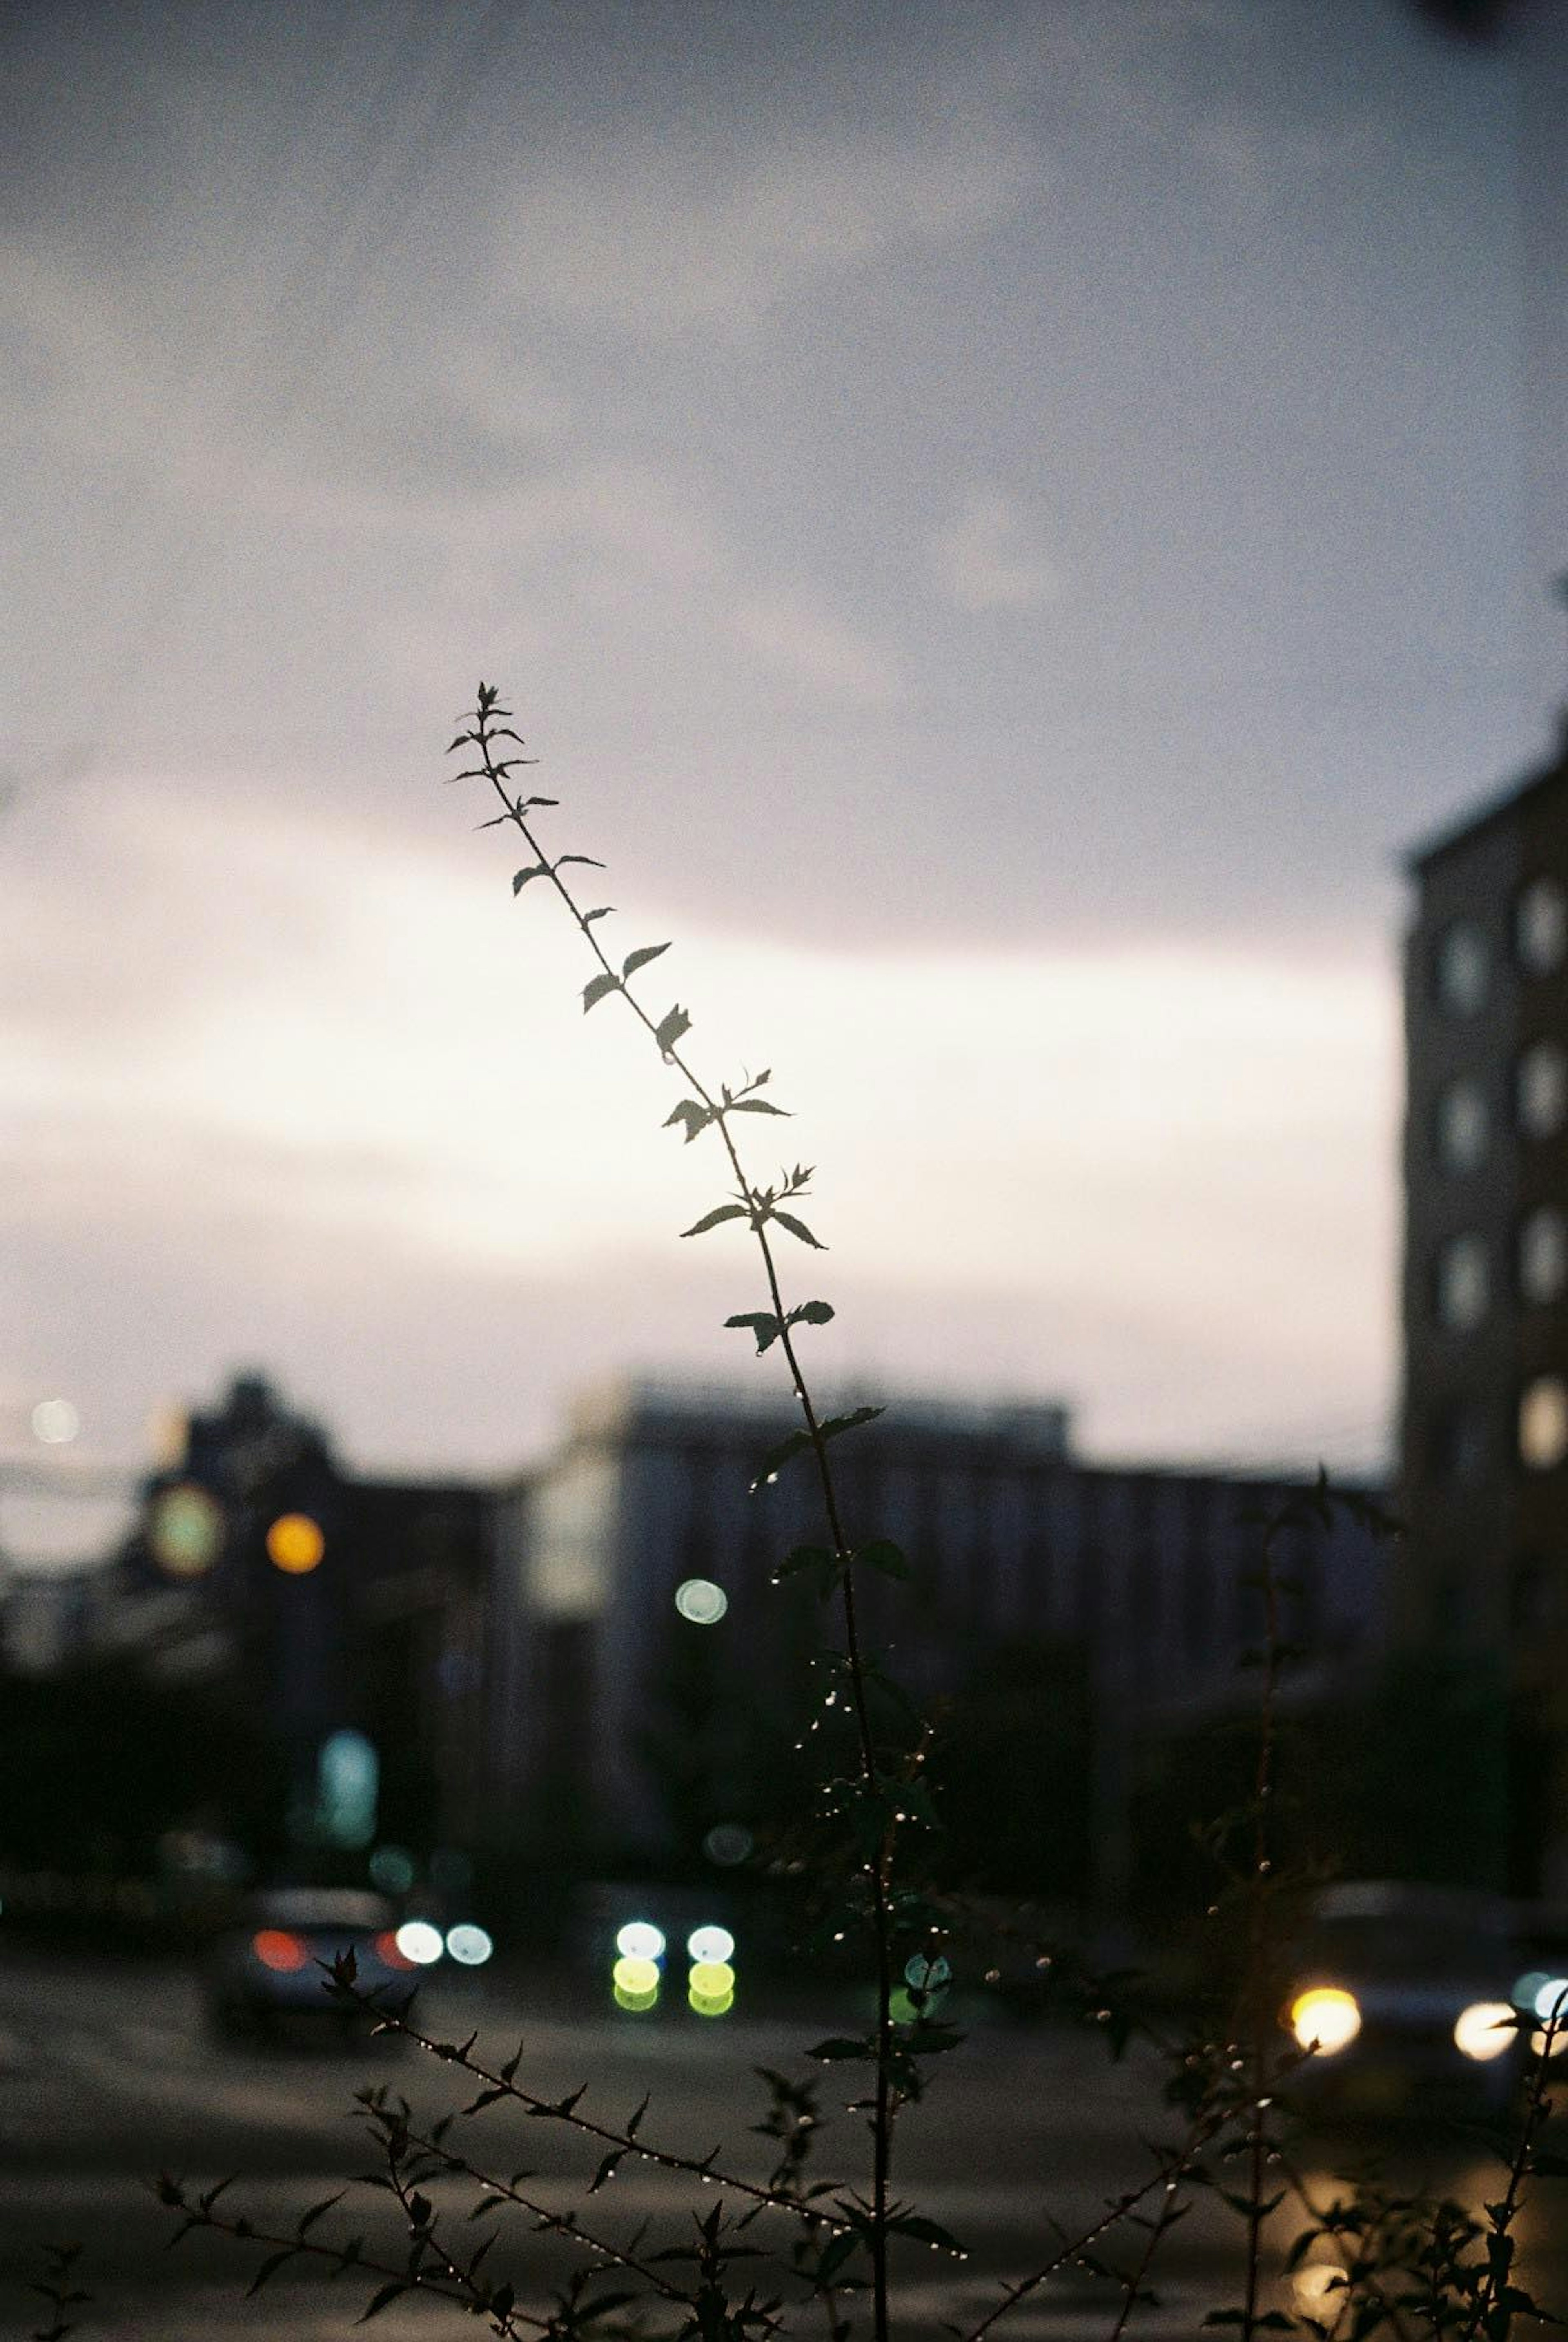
765	2248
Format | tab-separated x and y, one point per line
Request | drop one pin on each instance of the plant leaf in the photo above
308	2219
603	912
640	956
756	1105
806	1557
694	1117
883	1555
811	1313
797	1228
797	1442
269	2267
762	1324
712	1219
535	870
776	1457
382	2300
670	1031
596	990
562	860
834	2254
925	2232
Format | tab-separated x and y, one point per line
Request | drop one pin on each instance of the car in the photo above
1399	2002
271	1965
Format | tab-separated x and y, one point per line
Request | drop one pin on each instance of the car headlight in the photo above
1324	2019
1483	2030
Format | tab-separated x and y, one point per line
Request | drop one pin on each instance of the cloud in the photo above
701	239
983	560
369	1137
822	652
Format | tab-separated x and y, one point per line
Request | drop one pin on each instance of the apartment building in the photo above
1483	1572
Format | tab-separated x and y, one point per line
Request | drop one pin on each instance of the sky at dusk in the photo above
1000	522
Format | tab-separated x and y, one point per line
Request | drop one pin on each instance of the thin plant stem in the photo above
486	731
1259	1895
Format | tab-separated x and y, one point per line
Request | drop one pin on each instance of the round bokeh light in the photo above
469	1946
710	1944
639	1939
1485	2030
712	1979
636	1975
295	1544
418	1941
700	1602
186	1530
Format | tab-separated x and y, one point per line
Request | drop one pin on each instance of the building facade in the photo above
658	1667
1483	1581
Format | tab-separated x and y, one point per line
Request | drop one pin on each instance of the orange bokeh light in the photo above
295	1544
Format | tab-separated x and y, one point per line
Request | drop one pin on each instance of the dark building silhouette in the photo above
317	1602
1482	1586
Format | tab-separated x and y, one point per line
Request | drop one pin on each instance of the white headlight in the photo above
1551	2001
1484	2030
418	1941
1324	2019
469	1946
710	1944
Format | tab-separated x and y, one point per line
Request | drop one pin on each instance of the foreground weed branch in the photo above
762	1208
767	2253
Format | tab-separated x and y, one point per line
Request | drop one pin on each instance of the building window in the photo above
1461	968
1542	1079
1543	1424
1463	1286
1541	926
1543	1255
1456	1447
1463	1126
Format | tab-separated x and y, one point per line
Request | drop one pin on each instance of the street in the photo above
109	2077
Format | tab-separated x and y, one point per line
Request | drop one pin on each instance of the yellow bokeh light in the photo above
1485	2030
1324	2019
636	2002
295	1544
634	1974
711	2004
711	1979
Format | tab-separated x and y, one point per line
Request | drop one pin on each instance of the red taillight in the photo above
275	1948
387	1952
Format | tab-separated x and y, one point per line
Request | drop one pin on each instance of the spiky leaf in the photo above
671	1029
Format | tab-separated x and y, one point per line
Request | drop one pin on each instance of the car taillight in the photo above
275	1948
388	1952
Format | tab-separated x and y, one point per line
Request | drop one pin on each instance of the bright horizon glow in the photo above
1157	1136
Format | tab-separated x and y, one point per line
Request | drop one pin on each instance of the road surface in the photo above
107	2076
